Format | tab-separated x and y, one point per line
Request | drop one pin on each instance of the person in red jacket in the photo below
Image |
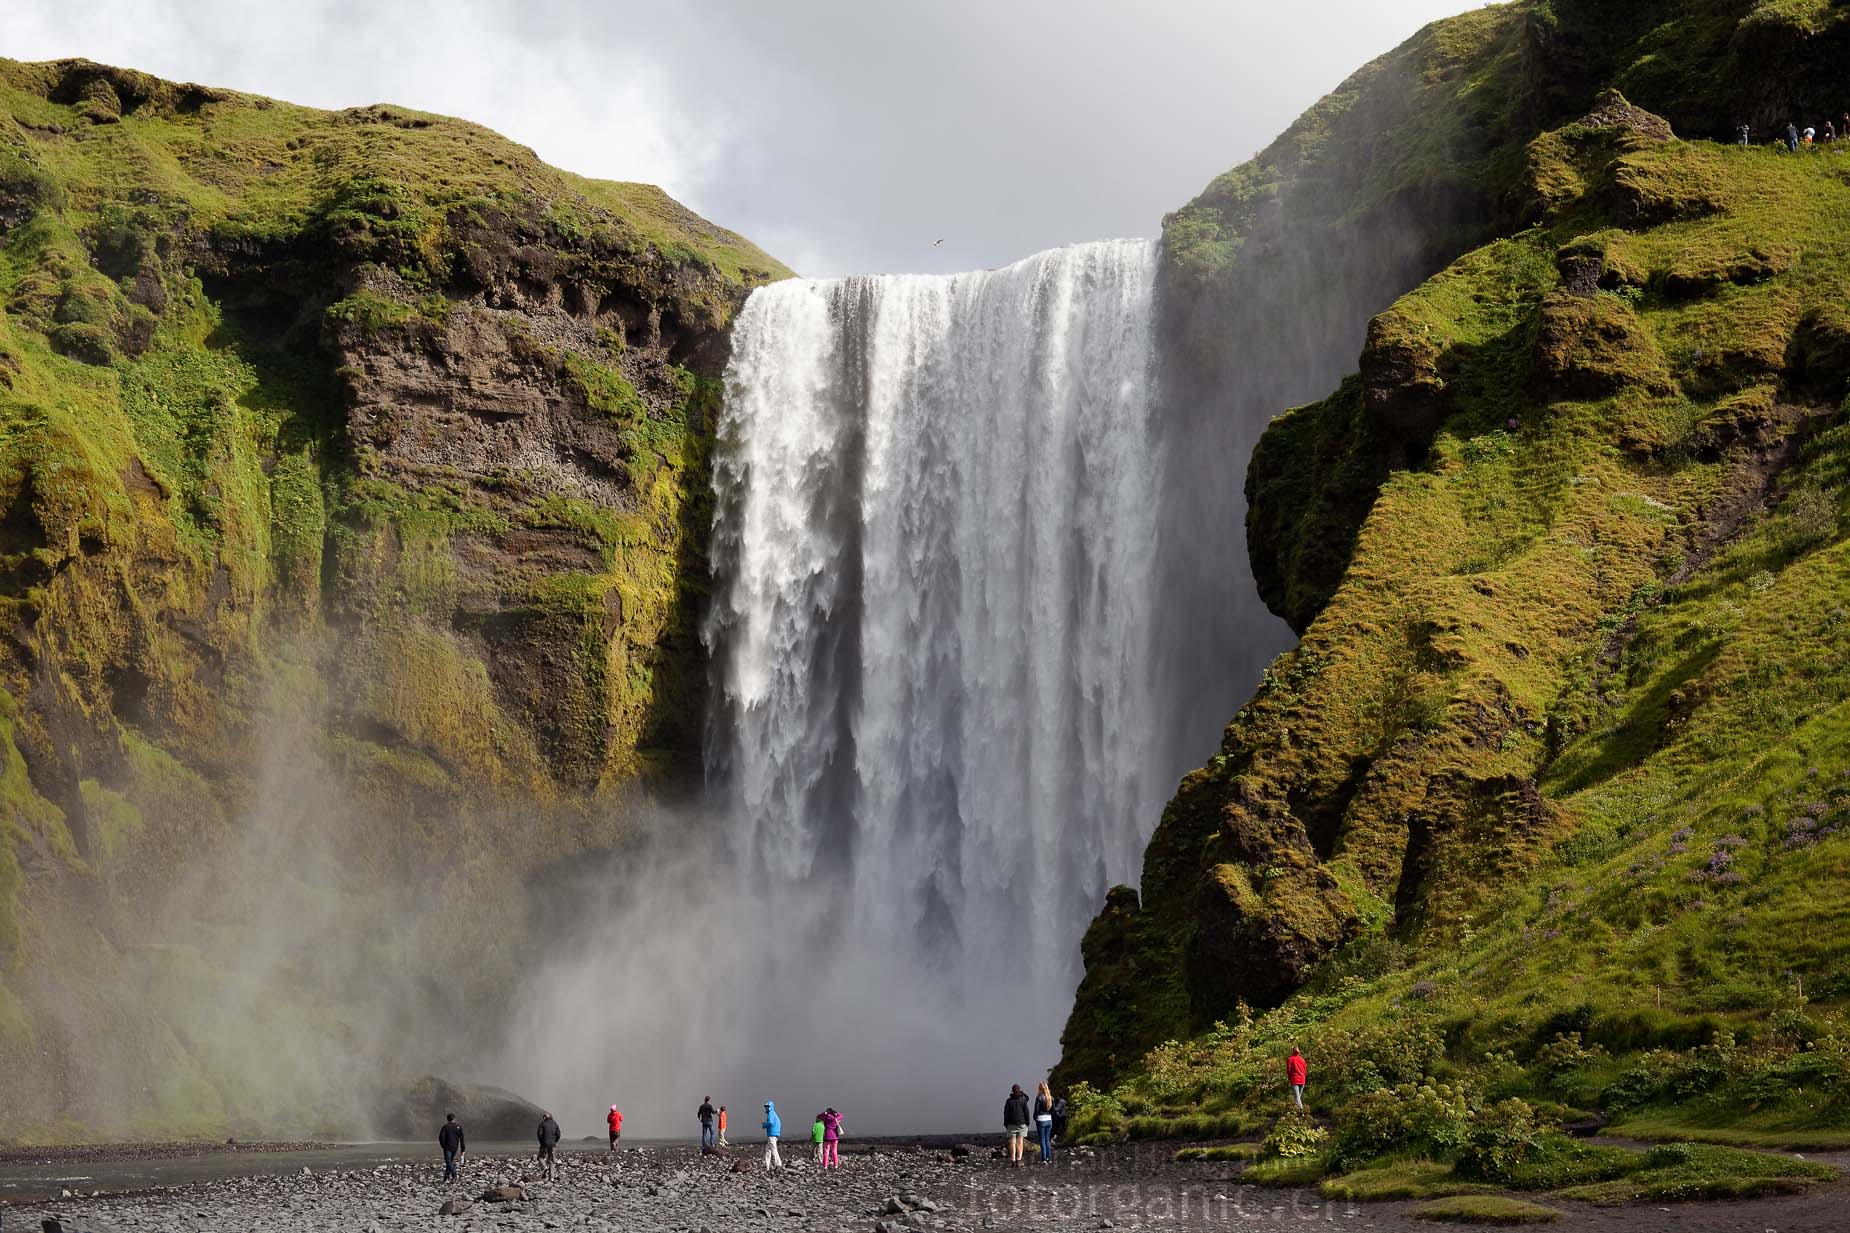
616	1126
1295	1073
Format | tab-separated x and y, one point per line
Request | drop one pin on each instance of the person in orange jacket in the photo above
615	1121
722	1127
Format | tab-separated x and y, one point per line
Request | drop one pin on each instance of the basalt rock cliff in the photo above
353	469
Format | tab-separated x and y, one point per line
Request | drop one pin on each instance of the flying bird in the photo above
935	243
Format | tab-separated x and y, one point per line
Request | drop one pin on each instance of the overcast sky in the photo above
841	135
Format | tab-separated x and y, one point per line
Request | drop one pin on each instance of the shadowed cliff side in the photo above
1427	528
354	469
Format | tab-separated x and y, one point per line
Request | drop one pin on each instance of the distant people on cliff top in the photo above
615	1121
1043	1120
549	1139
453	1143
1297	1072
1015	1119
1792	137
709	1117
773	1127
1744	135
722	1126
831	1137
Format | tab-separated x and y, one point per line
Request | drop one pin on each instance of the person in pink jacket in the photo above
831	1139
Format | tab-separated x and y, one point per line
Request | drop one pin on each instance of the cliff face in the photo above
1617	384
354	476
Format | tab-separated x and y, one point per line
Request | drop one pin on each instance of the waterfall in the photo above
978	601
936	582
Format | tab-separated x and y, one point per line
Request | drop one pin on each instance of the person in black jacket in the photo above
1015	1119
450	1139
549	1139
707	1115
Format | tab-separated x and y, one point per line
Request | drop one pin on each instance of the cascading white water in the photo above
976	606
936	580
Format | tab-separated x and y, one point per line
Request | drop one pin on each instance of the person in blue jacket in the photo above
773	1126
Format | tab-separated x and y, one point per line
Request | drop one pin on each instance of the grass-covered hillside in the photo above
352	526
1545	815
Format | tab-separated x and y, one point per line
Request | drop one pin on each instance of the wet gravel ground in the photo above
84	1153
907	1188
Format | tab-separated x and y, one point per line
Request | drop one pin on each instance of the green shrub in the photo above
1668	1156
1296	1134
1432	1120
1664	1075
1383	1054
1564	1053
1094	1115
1501	1138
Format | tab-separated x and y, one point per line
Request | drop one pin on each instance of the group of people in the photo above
712	1125
1047	1116
1809	137
1044	1114
825	1133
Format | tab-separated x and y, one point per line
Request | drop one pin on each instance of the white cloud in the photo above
840	134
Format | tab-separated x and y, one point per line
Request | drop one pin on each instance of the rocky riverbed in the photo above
891	1190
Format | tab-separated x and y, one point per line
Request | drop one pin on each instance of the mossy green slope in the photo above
1558	754
242	559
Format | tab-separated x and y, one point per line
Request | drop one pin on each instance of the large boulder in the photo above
486	1113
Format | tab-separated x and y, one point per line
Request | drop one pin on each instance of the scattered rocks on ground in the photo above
903	1190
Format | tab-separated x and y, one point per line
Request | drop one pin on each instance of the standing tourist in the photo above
549	1139
1043	1120
815	1137
773	1126
450	1139
1296	1072
831	1139
707	1115
615	1121
722	1126
1015	1117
